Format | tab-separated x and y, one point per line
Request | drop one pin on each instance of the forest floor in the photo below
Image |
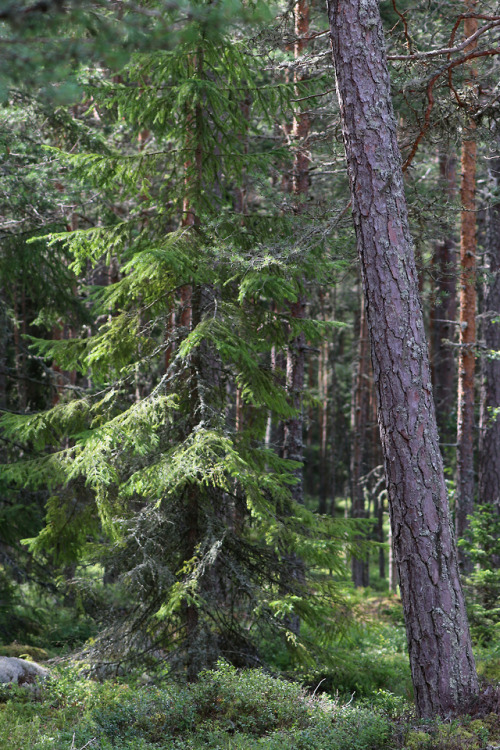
360	701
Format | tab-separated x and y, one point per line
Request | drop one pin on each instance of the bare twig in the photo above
447	50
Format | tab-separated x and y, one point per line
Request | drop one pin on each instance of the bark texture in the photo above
443	313
442	663
489	427
467	328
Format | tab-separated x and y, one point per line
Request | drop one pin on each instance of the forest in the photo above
250	374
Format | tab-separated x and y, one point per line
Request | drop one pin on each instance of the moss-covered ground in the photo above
360	700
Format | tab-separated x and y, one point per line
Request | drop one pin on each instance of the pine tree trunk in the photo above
489	427
293	444
439	645
360	407
324	413
293	438
467	330
443	312
332	447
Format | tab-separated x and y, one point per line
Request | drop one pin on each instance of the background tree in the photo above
467	328
489	446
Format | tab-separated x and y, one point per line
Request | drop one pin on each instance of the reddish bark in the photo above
440	650
467	330
443	312
489	427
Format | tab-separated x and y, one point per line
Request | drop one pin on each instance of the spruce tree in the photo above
192	518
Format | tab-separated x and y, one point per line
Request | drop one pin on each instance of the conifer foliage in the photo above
148	468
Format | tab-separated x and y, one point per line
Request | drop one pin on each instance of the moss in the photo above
456	738
492	724
490	669
481	730
23	651
417	741
449	737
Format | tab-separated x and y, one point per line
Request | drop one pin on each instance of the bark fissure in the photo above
439	644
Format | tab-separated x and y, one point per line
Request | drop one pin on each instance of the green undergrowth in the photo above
370	654
226	708
44	625
360	699
463	734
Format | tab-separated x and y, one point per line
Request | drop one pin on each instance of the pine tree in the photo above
423	540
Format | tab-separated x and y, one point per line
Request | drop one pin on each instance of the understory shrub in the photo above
226	708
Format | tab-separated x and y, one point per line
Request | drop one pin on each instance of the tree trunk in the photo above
467	329
443	312
360	407
489	426
293	440
439	645
324	420
393	568
293	444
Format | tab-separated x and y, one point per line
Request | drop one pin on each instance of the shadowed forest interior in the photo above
250	374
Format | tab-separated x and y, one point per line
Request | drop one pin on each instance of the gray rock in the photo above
20	671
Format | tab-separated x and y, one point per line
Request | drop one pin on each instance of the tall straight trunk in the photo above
360	415
442	664
324	414
189	317
333	428
293	438
467	330
489	426
293	444
443	312
301	120
378	489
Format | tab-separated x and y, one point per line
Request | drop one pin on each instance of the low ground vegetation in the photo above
226	708
360	700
